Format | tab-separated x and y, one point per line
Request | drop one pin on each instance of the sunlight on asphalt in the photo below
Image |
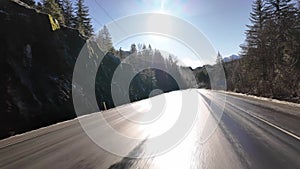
167	118
182	155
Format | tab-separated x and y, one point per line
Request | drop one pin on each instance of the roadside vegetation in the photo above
270	56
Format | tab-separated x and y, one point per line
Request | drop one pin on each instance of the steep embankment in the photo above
36	70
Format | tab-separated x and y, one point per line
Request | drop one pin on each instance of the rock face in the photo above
36	69
37	65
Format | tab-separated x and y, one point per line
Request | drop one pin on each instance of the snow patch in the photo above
263	98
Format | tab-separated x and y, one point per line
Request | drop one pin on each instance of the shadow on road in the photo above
128	162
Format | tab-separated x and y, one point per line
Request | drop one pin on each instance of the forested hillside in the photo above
270	57
271	51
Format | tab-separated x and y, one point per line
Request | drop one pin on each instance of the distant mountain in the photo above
231	58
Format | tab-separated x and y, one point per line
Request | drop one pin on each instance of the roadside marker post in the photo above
104	105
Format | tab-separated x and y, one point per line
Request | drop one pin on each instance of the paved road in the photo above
251	133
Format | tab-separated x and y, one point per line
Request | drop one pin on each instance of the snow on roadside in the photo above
262	98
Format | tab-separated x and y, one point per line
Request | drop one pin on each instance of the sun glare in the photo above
162	7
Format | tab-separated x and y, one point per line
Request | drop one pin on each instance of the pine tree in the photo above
283	18
283	25
68	13
255	31
133	48
297	35
83	21
39	6
144	47
219	59
52	8
270	64
104	39
60	4
255	51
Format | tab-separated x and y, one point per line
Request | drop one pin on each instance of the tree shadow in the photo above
128	161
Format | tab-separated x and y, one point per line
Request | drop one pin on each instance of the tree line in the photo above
38	87
71	15
270	64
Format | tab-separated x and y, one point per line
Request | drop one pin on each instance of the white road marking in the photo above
275	126
267	122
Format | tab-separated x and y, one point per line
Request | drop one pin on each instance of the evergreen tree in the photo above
255	30
104	40
133	48
297	35
60	4
282	26
52	8
121	53
144	47
83	21
39	6
255	51
219	59
282	22
68	13
271	51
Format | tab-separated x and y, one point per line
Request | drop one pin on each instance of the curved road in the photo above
252	133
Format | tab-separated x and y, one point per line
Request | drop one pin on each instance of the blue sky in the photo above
221	21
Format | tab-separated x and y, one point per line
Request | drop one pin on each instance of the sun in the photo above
163	9
162	5
159	6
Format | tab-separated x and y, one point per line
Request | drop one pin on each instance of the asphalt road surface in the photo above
251	133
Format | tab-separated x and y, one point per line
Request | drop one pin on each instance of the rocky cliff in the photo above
36	69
